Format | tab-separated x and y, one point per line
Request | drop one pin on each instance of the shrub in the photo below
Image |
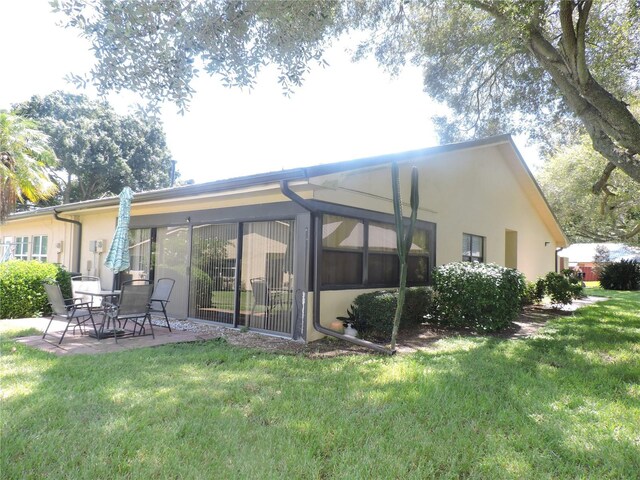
622	275
479	296
375	312
417	303
533	292
559	288
575	280
541	289
372	313
21	292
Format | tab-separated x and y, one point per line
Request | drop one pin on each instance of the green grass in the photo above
565	404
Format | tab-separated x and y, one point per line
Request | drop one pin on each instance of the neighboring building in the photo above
248	251
581	255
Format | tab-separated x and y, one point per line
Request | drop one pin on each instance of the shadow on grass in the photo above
561	405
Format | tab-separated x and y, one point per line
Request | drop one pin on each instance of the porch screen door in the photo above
267	276
213	272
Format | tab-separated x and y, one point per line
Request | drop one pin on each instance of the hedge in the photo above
373	312
483	297
21	292
622	275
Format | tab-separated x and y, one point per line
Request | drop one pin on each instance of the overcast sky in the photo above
345	111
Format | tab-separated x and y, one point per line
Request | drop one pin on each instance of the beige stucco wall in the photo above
333	303
480	191
98	225
44	225
473	191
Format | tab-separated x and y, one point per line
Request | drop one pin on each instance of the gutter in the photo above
317	227
76	262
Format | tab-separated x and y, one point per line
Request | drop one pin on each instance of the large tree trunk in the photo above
613	129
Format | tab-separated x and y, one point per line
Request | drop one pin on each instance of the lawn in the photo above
565	404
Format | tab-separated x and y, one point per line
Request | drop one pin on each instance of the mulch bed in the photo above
420	337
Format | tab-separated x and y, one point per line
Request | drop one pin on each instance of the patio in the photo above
85	344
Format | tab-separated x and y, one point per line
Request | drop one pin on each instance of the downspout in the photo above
79	243
317	227
558	250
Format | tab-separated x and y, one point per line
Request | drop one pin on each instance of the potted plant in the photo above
349	321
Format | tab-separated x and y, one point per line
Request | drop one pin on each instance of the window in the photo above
39	248
21	248
347	242
472	248
343	249
418	259
384	265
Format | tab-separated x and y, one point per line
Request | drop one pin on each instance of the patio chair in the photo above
133	305
160	298
86	283
263	295
67	310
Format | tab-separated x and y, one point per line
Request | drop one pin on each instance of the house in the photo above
581	255
286	252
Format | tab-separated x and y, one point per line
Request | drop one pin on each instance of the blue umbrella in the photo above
118	257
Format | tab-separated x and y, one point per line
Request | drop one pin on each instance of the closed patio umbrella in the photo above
118	257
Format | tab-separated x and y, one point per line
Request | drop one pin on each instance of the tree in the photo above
612	216
100	151
500	66
601	258
25	159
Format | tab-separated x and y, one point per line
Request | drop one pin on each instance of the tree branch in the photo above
604	178
584	76
622	159
632	233
568	41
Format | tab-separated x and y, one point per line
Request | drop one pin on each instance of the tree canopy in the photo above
99	151
613	216
546	67
25	159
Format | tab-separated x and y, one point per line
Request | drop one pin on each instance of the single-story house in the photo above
581	256
286	252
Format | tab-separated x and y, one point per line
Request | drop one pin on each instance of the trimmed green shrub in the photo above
21	292
558	288
483	297
372	313
622	275
541	289
575	280
533	292
564	287
417	303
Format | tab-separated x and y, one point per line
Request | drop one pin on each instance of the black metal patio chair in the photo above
67	310
160	297
133	305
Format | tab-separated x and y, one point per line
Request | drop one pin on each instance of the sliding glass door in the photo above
171	261
213	272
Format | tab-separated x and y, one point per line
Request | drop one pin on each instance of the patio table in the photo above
104	294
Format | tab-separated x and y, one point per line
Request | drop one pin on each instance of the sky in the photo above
344	111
